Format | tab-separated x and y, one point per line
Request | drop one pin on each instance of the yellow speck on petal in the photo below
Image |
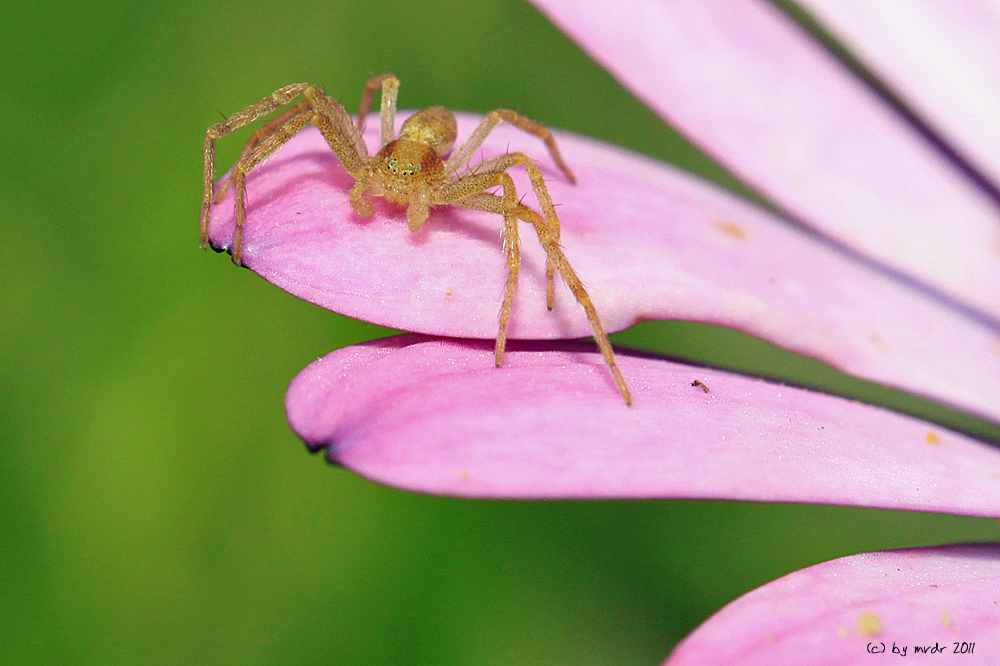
732	229
770	638
448	293
932	438
945	618
843	631
869	625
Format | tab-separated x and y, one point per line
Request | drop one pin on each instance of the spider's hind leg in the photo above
390	91
464	152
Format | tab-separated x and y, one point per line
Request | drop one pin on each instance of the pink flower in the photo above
898	281
903	603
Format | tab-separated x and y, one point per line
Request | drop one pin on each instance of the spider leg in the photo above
239	174
555	252
573	281
511	248
493	203
469	193
462	154
337	127
248	115
332	120
317	108
390	91
263	133
507	160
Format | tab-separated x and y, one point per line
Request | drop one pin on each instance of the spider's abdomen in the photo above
405	166
434	126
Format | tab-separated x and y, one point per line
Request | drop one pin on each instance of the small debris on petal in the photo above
869	624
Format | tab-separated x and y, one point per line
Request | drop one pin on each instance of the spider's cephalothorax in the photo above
417	170
412	163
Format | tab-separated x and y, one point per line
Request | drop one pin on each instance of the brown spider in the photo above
411	171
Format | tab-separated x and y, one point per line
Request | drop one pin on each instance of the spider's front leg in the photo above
272	102
549	240
491	203
239	175
554	251
469	192
507	160
317	108
262	134
463	153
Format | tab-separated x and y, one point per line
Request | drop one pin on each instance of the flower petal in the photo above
435	416
754	90
942	57
841	612
650	242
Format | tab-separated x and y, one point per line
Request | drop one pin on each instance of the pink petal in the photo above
754	90
649	242
435	416
843	612
943	57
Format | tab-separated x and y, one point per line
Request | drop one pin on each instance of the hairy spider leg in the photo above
469	193
494	204
491	203
262	133
328	115
270	128
464	152
248	115
390	92
501	162
240	170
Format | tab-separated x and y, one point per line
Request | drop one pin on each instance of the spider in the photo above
414	170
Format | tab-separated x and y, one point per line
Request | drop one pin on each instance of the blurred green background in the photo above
155	507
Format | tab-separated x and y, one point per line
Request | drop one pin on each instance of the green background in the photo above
155	507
